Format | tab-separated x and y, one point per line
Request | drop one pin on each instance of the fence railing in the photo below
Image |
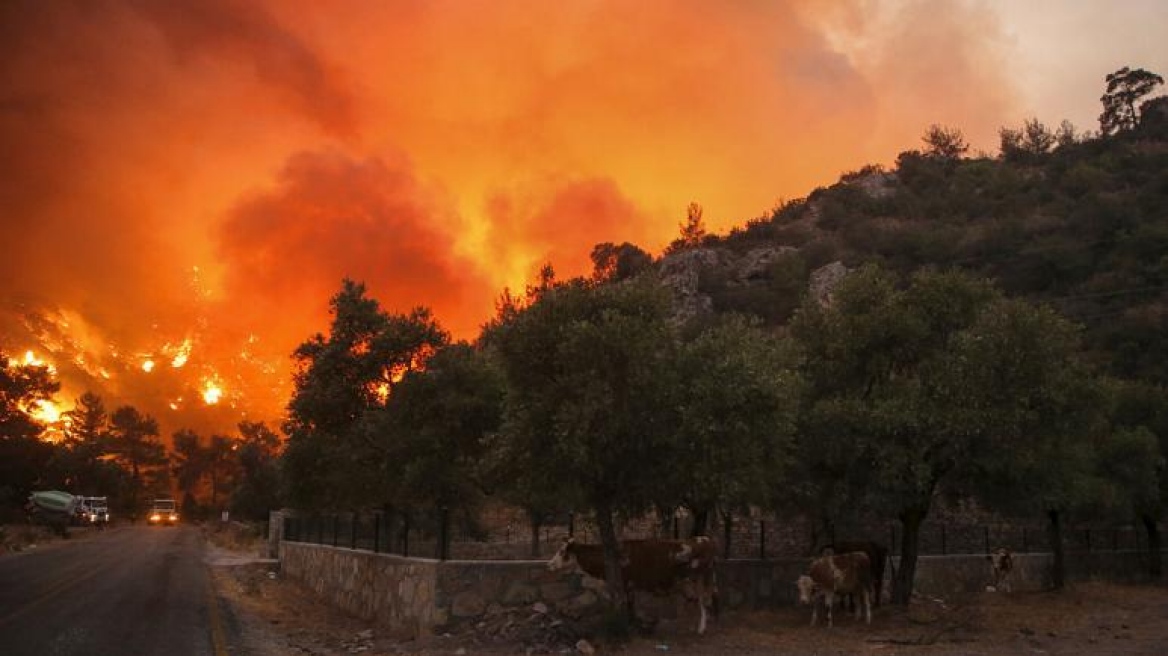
436	535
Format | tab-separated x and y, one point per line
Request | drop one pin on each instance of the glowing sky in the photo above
208	171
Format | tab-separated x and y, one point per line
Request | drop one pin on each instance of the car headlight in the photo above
155	517
173	517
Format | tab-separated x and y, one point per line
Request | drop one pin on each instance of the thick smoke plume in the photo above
207	172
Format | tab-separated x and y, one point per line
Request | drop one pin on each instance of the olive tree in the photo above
587	369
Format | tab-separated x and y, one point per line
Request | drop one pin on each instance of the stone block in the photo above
519	593
468	604
556	591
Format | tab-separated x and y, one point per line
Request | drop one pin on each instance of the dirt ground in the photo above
279	617
15	538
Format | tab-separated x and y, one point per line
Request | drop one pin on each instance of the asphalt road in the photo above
125	591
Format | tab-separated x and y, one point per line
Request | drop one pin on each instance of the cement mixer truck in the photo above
52	508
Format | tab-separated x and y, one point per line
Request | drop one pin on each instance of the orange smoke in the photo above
190	181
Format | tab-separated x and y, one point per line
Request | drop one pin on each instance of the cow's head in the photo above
565	556
1002	559
806	589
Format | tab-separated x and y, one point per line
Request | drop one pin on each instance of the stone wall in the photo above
469	590
395	592
416	595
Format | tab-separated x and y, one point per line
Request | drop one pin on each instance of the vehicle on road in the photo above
163	513
93	511
52	508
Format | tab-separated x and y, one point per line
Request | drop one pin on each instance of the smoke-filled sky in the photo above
195	178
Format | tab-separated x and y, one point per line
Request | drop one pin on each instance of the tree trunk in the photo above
902	586
1154	566
612	561
701	522
1058	573
535	526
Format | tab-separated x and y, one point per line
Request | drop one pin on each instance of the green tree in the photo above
586	368
257	490
189	465
1125	88
611	263
23	455
331	459
221	466
737	395
1031	142
442	417
134	442
945	143
84	465
1140	412
693	229
911	386
1041	412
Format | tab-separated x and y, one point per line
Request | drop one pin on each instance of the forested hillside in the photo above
1077	222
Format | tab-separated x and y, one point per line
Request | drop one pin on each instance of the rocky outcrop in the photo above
824	280
756	263
876	184
681	272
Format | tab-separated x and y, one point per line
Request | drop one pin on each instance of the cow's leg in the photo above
814	610
867	606
828	599
702	621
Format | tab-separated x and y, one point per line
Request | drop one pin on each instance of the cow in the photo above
1001	564
877	556
654	566
837	575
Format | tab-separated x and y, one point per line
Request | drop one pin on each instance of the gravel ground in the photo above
280	617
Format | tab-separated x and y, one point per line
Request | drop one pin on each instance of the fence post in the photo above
406	534
376	532
1025	544
676	530
571	524
892	538
319	529
762	539
986	528
944	540
353	532
728	520
443	534
336	528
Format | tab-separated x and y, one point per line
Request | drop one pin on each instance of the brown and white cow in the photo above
877	556
834	576
656	566
1001	564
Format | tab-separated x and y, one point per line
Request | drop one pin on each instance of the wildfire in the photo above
182	354
211	393
148	366
46	412
382	392
31	360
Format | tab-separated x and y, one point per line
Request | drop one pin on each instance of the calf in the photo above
837	575
655	566
1001	564
877	556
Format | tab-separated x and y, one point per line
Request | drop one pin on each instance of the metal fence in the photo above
442	536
